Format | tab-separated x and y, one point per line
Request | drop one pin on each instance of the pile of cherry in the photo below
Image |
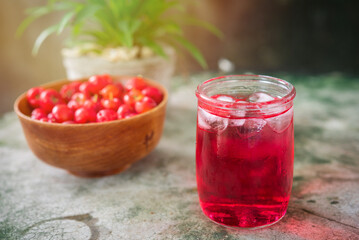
99	99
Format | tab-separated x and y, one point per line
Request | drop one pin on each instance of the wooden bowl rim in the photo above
64	81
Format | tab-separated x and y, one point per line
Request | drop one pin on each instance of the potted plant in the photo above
119	37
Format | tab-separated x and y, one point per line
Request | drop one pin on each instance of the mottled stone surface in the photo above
157	197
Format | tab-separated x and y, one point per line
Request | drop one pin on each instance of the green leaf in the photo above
113	36
65	5
95	2
172	28
76	29
113	23
99	36
40	39
156	48
38	11
24	24
35	14
135	25
64	21
209	27
113	8
84	12
126	34
193	50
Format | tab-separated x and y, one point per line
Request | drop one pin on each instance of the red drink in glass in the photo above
244	149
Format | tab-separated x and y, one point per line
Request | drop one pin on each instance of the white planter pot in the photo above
156	68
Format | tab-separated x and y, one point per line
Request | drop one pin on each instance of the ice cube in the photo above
251	127
260	97
281	122
210	122
224	98
239	121
236	122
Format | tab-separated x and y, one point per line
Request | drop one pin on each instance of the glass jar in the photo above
245	149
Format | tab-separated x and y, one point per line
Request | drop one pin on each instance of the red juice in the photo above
244	165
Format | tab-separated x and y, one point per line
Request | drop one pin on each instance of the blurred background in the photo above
260	36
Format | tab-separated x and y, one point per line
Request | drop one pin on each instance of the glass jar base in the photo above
245	228
244	216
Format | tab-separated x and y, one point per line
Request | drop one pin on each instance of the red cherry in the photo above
62	113
100	81
110	91
145	105
96	106
38	114
111	103
136	83
106	115
51	118
84	115
153	93
120	87
132	97
124	110
70	89
33	96
49	98
44	119
79	98
73	105
88	88
98	99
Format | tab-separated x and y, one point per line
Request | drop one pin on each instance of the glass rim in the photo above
248	105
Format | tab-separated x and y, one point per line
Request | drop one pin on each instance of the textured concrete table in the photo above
157	199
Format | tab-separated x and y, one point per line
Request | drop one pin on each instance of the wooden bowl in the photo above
93	149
